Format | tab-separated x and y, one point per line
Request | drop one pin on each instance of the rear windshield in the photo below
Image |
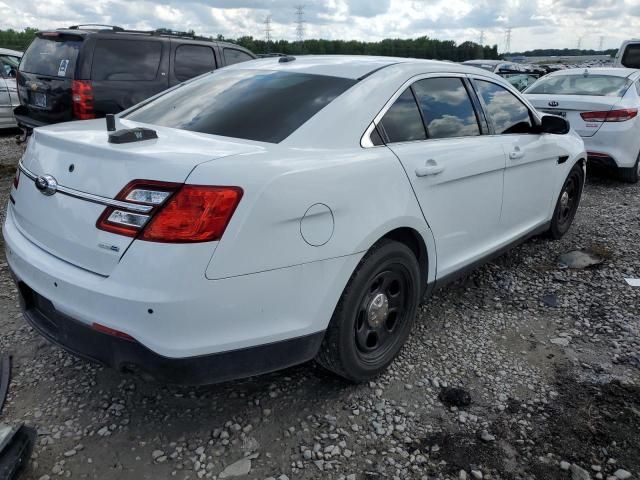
52	56
596	85
631	56
265	106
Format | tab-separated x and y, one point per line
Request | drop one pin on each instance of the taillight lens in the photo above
195	214
16	179
179	214
620	115
82	97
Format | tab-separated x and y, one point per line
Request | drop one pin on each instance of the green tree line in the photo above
422	47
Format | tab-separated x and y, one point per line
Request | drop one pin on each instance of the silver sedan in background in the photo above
9	61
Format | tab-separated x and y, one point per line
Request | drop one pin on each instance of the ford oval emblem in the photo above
47	185
553	103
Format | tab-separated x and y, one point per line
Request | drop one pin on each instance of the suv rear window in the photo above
129	60
265	106
598	85
53	56
631	56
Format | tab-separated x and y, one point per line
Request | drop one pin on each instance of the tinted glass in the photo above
597	85
193	60
131	60
508	114
267	106
53	57
402	122
446	108
231	56
631	56
8	66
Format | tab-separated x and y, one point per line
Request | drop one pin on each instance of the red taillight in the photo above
16	179
179	213
112	332
82	96
621	115
194	214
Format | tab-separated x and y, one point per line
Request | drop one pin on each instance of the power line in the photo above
300	23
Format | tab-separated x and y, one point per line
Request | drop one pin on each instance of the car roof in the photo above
7	51
355	67
484	62
611	71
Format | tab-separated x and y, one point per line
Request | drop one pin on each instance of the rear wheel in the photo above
567	204
375	313
631	175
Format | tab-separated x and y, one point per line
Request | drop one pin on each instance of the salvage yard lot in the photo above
550	357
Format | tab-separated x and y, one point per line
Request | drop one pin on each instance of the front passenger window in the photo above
506	112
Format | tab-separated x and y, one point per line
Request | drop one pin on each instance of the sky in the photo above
534	23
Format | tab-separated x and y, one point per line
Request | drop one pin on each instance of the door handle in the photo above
516	154
431	167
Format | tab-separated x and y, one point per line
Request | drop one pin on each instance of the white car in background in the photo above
280	210
602	105
9	61
628	55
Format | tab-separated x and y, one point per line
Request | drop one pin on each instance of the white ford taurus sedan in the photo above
278	211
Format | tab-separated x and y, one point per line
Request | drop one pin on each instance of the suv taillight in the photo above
82	97
179	213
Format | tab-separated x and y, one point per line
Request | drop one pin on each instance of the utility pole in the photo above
300	25
482	38
579	43
507	40
601	43
267	29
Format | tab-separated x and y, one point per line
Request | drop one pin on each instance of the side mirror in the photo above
555	125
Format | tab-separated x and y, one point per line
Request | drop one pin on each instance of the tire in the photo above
567	204
362	339
631	175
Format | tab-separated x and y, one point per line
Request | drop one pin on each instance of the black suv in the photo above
87	71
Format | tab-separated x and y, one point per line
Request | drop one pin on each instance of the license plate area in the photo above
556	112
39	99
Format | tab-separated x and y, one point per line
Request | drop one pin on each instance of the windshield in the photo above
595	85
259	105
631	56
53	56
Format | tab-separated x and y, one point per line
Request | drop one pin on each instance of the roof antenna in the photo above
111	122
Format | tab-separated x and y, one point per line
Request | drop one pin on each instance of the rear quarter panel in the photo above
366	190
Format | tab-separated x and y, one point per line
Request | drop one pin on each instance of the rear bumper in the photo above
122	354
614	145
25	121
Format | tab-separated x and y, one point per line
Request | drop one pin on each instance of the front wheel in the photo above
567	204
375	313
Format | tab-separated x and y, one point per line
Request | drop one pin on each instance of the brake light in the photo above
16	179
621	115
82	97
178	214
195	214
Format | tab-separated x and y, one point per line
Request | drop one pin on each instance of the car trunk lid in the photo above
571	106
82	161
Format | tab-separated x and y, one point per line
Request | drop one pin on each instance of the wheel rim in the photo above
569	199
382	314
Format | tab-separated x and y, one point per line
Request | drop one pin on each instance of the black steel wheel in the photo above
567	204
375	313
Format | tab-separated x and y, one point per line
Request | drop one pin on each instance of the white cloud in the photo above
536	23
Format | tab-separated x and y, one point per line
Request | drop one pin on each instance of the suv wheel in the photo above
375	313
567	204
631	175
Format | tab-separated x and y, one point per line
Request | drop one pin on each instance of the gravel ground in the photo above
549	356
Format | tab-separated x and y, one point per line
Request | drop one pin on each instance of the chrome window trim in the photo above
89	197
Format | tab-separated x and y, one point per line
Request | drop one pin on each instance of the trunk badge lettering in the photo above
553	103
46	184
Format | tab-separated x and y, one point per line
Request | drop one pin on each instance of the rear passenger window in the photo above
193	60
231	56
446	108
506	112
402	122
130	60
